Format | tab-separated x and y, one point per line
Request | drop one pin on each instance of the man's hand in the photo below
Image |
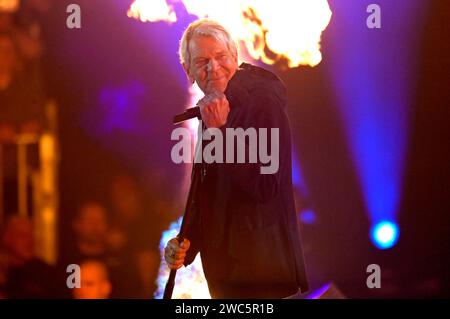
175	253
214	108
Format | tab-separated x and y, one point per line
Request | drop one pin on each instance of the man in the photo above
91	229
95	283
91	226
244	224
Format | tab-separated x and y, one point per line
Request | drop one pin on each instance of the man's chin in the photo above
216	87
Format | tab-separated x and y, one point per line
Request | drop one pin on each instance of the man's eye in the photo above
200	63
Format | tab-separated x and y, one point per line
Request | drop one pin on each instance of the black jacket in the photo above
248	216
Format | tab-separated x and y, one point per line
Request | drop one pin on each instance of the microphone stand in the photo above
195	182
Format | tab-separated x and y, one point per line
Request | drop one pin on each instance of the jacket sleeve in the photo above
263	110
192	233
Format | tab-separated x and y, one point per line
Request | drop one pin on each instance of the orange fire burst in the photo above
152	11
289	29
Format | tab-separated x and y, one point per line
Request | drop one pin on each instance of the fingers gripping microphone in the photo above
236	86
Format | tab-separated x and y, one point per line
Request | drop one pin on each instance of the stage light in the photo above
308	217
376	109
385	234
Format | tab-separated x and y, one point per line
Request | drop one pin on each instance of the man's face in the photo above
91	225
211	63
94	282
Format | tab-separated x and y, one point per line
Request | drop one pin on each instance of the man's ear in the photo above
186	70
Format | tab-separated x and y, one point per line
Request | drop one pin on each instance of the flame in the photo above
152	11
289	30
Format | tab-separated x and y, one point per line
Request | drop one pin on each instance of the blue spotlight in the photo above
308	217
384	234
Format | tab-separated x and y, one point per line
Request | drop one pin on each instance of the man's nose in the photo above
212	65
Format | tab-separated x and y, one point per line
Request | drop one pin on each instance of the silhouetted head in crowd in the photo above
18	240
91	227
95	283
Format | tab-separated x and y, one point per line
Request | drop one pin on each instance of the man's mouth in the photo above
216	79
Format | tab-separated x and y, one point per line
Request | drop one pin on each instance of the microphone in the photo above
190	113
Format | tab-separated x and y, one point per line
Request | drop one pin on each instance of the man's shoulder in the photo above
253	81
258	71
258	77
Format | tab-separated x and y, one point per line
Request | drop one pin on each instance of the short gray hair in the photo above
204	27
